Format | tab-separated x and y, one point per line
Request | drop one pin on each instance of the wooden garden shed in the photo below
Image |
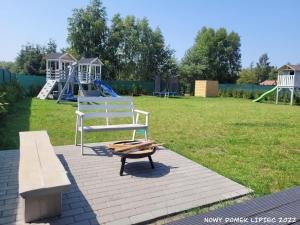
206	88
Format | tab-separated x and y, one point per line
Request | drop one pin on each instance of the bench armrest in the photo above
81	114
138	112
141	112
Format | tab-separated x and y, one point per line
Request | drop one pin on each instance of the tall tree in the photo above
136	51
263	68
215	55
88	30
30	60
51	46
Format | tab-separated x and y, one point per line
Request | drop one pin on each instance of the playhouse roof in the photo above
57	56
290	67
94	61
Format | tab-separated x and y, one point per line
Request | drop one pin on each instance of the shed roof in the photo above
94	61
290	67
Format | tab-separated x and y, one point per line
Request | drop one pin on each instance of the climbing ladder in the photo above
46	90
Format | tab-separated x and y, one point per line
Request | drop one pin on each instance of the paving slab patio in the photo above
100	196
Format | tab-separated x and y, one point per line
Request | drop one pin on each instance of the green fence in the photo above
120	86
244	87
28	81
124	86
6	76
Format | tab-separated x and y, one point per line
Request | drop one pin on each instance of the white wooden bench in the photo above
107	108
42	177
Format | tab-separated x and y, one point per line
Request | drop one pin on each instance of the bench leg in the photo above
123	161
81	139
151	162
37	208
76	131
133	135
146	135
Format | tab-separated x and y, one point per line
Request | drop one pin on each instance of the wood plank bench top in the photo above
40	171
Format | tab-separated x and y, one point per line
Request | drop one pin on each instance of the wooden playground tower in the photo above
288	78
64	71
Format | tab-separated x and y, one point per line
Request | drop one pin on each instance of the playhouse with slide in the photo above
288	78
64	73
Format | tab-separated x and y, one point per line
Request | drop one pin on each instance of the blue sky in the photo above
265	26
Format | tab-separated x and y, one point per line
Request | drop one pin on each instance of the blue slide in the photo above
107	89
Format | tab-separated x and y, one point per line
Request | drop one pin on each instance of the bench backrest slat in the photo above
105	99
106	107
108	114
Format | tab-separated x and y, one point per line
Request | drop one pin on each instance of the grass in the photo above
255	144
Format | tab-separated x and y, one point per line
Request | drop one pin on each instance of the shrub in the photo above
9	94
284	96
34	90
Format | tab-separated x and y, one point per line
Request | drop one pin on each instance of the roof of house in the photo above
290	67
268	82
58	55
90	61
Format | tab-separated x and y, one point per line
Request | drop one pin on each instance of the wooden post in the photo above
100	72
277	94
292	95
59	88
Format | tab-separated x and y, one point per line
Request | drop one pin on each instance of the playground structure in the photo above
65	72
288	78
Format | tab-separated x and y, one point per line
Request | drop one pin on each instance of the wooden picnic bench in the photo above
107	108
42	177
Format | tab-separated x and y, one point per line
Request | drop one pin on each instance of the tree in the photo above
248	76
51	46
215	55
88	31
273	73
263	67
30	59
8	66
135	51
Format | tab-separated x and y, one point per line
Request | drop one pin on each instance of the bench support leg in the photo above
81	145
42	207
133	135
146	135
76	131
151	162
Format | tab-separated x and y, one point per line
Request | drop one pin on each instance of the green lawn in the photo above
255	144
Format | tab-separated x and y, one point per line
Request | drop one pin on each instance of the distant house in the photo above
268	83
